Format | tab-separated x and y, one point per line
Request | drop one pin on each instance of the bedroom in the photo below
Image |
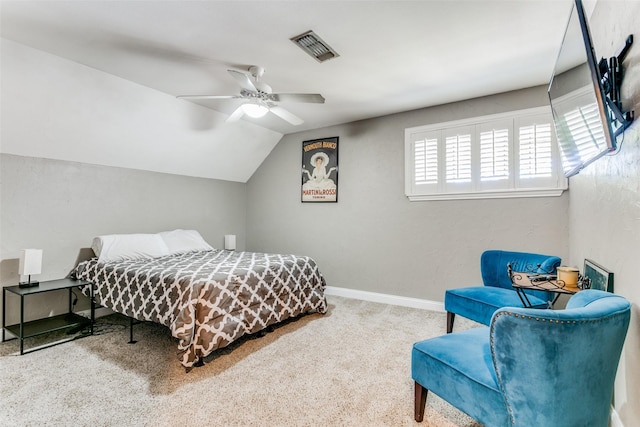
58	196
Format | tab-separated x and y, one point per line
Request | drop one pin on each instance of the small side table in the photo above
69	320
534	279
551	285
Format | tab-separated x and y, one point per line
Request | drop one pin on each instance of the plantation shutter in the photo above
502	155
426	161
494	154
535	151
493	164
458	155
423	154
457	159
538	157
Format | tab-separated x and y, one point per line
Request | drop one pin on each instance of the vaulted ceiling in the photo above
394	56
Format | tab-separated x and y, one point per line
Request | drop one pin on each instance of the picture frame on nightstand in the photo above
601	278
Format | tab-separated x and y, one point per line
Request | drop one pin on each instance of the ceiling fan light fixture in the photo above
255	110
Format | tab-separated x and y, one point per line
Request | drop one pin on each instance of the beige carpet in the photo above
350	367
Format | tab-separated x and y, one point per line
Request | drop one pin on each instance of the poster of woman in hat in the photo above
320	170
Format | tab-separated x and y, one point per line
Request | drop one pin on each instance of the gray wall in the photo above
60	206
374	239
604	203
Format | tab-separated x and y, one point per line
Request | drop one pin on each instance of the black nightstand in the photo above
69	320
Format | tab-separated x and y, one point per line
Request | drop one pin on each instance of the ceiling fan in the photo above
260	99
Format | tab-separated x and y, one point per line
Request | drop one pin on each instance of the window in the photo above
505	155
426	161
458	161
494	154
535	150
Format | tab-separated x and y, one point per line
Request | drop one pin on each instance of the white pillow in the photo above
119	247
179	241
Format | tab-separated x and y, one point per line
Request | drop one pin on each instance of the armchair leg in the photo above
420	402
450	318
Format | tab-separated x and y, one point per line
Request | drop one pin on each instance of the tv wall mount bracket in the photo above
611	78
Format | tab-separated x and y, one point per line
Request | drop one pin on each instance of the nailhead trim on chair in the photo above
492	345
538	319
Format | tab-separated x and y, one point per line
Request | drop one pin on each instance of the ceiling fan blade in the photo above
298	97
243	80
286	115
208	96
236	115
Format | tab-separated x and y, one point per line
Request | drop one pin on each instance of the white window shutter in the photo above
538	163
503	155
458	158
426	161
535	151
494	154
422	152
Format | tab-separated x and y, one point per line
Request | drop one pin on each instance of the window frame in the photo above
477	188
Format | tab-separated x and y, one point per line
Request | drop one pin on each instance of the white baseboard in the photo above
614	419
385	298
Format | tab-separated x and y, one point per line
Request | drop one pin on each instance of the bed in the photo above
207	297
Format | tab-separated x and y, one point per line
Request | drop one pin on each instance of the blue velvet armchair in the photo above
478	303
531	367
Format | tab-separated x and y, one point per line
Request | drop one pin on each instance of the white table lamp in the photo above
30	263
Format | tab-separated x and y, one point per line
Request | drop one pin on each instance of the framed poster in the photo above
601	278
320	170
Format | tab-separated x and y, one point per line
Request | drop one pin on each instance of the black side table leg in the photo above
21	325
93	308
4	311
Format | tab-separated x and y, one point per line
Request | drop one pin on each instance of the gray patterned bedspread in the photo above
208	299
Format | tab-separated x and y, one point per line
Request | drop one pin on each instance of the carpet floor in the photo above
349	367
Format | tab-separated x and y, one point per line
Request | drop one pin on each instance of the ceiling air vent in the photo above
314	46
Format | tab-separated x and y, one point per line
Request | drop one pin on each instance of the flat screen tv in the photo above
584	122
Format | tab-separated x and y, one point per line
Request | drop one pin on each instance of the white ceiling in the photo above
394	55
